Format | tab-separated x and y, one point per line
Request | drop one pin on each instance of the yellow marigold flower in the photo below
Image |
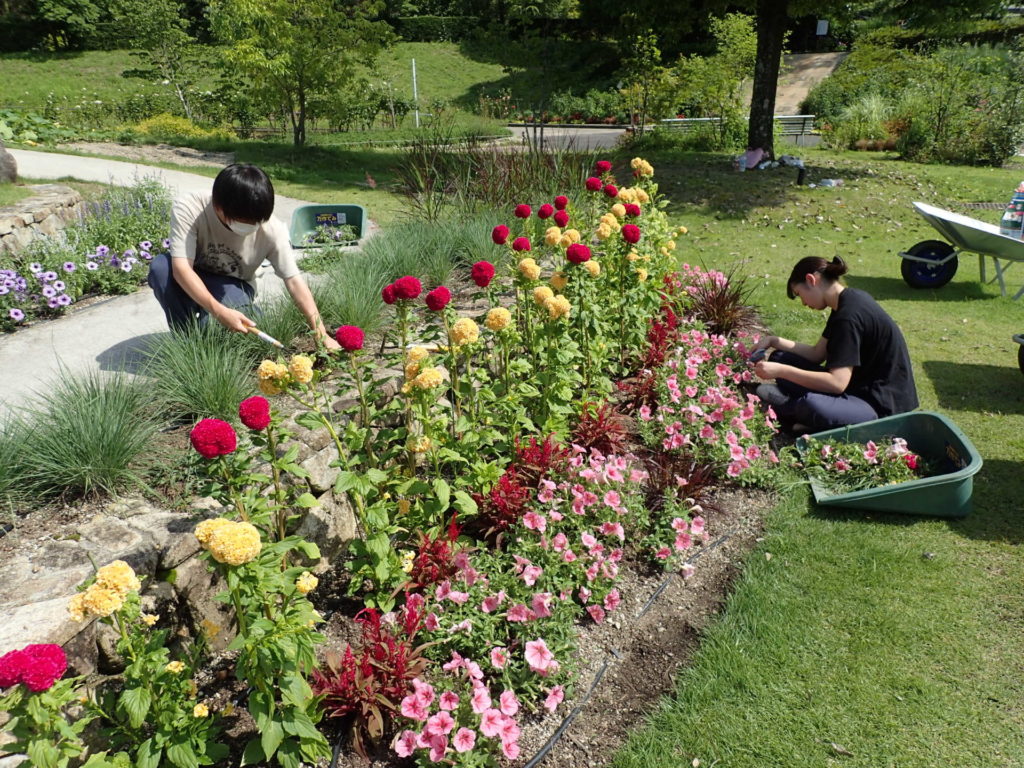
403	506
641	274
619	210
118	577
306	583
604	232
642	196
559	281
419	444
415	354
593	267
99	601
671	245
428	378
633	256
466	331
149	619
498	319
175	667
268	387
574	235
557	306
205	530
200	710
301	369
411	369
267	370
235	544
541	294
552	235
529	269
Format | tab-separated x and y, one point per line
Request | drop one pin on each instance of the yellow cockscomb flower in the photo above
636	162
559	281
428	378
419	444
149	619
642	196
408	559
619	210
671	245
234	543
593	267
557	306
565	242
118	577
529	269
498	319
403	506
175	667
268	387
466	331
641	274
682	230
415	354
573	234
96	601
627	195
301	369
541	294
306	583
267	370
604	232
411	369
205	530
200	710
552	235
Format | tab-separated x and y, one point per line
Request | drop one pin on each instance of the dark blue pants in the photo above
179	308
817	410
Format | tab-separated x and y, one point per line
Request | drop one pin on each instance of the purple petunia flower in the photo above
115	262
35	267
22	283
64	300
49	291
102	250
145	245
92	266
59	285
16	315
128	254
166	243
52	303
4	290
69	267
48	276
146	255
126	267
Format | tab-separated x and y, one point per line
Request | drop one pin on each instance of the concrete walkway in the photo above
108	335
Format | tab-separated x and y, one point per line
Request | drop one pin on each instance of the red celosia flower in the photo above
632	209
602	166
408	287
561	218
254	412
545	211
611	190
438	298
523	211
911	460
521	244
577	253
631	233
10	668
499	234
42	666
593	184
482	273
350	337
388	294
561	202
213	438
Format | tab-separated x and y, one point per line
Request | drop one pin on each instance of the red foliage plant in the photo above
667	470
601	427
435	558
367	683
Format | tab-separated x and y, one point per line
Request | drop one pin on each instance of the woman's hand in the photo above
767	370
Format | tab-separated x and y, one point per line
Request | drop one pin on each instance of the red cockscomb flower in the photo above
561	202
438	298
350	337
388	294
593	184
523	211
632	209
611	190
213	438
577	253
545	211
561	218
499	234
631	233
602	166
482	273
254	412
42	666
408	287
521	244
10	668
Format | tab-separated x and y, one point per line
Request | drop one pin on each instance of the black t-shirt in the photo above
862	336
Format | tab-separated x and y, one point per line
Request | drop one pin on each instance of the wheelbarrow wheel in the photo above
922	274
1020	358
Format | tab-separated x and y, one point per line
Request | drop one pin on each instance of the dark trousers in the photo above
179	308
817	410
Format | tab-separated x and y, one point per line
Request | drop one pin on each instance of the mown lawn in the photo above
896	639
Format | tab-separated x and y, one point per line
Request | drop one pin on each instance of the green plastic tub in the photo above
931	435
307	218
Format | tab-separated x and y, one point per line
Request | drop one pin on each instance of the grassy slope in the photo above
12	193
848	633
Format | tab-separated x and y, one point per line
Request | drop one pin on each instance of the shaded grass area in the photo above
12	193
897	638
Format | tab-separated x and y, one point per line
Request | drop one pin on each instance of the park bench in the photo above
785	125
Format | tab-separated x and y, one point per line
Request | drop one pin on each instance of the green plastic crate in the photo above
306	218
938	440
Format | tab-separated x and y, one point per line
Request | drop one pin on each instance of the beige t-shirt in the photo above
199	236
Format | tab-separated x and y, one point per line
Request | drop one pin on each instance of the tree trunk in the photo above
771	22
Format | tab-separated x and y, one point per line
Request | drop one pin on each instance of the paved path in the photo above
800	73
108	335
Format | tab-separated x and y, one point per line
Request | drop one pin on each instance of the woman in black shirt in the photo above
858	371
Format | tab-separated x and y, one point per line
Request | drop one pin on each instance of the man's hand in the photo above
234	320
329	342
767	370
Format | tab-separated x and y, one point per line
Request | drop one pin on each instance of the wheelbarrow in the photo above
933	263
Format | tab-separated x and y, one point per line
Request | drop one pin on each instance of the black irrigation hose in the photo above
557	735
337	753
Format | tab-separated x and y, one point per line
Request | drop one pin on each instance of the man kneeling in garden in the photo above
218	241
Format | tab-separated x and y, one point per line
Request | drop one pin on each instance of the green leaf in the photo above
379	544
271	737
464	503
146	756
443	493
376	476
42	753
182	755
253	753
309	420
306	501
136	702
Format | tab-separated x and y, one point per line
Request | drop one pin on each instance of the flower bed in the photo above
498	493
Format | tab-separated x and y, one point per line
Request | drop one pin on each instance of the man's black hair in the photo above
244	193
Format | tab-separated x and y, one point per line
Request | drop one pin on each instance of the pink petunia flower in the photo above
612	600
405	744
413	708
442	723
596	613
448	700
509	704
481	700
535	522
491	722
464	740
538	655
555	697
518	613
499	658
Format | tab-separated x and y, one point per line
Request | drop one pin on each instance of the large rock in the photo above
331	525
8	166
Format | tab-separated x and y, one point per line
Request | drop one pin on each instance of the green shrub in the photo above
89	434
170	128
435	29
866	118
869	69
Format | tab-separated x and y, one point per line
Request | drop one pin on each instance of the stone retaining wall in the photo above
45	213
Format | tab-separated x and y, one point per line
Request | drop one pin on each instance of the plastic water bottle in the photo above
1012	223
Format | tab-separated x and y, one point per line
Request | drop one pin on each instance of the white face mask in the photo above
243	229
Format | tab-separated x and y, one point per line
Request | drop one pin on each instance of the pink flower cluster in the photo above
37	666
